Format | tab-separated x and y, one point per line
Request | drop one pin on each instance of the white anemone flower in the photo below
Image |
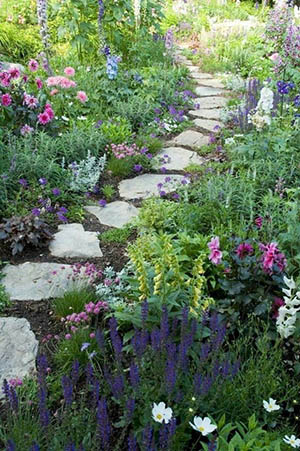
292	440
271	405
161	413
203	425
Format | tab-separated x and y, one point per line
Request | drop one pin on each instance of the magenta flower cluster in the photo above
272	257
123	150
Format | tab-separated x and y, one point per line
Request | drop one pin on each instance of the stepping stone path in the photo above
40	281
214	113
18	349
115	214
37	281
144	186
179	158
208	125
73	242
190	138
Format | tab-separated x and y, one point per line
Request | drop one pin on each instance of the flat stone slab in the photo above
18	349
190	138
211	102
200	75
192	68
214	113
208	125
115	214
38	281
212	83
144	186
206	91
74	242
179	158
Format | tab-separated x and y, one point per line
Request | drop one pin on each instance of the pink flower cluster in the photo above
123	150
8	75
272	256
60	82
15	382
83	317
88	269
47	115
215	255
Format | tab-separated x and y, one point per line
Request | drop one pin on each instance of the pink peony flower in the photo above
44	118
5	79
243	250
6	100
69	71
14	72
39	83
30	101
81	95
33	65
215	253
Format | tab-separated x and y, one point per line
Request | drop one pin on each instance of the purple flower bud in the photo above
102	203
134	375
56	191
43	181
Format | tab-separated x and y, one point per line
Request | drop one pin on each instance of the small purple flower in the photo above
162	193
84	346
176	196
138	167
197	106
36	211
56	191
159	185
23	182
163	169
61	217
149	155
102	203
63	209
98	123
167	179
43	181
183	181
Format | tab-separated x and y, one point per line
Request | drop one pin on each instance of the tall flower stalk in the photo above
43	24
100	25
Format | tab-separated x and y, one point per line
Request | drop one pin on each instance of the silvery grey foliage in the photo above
85	174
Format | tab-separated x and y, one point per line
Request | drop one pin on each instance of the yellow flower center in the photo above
292	442
201	428
270	406
159	416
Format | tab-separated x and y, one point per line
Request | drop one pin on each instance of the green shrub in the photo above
116	235
19	44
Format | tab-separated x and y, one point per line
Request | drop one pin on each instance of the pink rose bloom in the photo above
81	95
53	92
215	253
44	118
6	99
33	65
39	83
69	71
14	72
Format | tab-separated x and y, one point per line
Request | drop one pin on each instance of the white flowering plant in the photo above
288	320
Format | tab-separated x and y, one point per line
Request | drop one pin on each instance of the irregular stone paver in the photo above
145	185
179	158
190	138
213	83
200	75
214	113
115	214
192	68
36	281
72	241
211	102
18	349
208	124
205	91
